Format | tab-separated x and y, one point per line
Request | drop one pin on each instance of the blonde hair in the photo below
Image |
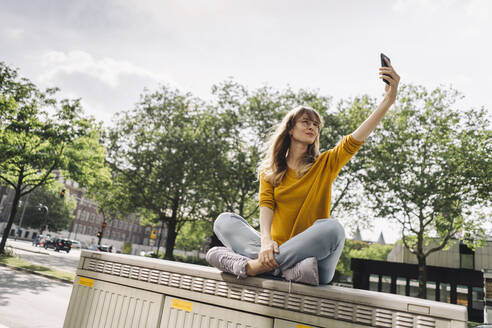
274	164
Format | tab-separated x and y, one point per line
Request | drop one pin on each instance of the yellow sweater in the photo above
298	203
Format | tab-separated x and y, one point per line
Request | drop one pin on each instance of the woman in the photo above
297	240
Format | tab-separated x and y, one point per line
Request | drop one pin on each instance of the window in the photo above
477	298
386	284
373	282
414	287
431	290
401	284
445	292
467	257
462	293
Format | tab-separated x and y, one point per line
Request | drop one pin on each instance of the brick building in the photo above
87	222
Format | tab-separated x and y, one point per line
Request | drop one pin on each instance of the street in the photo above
47	257
28	300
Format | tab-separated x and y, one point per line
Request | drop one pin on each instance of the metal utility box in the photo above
180	313
114	290
96	303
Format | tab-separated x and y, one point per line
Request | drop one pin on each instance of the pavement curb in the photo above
27	249
67	281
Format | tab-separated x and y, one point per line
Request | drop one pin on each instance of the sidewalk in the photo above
38	250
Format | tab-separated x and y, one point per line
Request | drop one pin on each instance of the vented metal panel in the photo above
279	323
181	313
290	301
321	306
101	304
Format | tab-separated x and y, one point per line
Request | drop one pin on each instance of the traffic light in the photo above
62	193
153	234
99	237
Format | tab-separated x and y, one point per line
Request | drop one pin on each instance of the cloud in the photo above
107	70
13	33
479	9
429	6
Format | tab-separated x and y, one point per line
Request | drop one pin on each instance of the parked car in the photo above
44	239
105	248
93	248
76	244
59	244
101	248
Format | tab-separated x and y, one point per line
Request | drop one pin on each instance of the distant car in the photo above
105	248
59	244
93	248
42	240
76	244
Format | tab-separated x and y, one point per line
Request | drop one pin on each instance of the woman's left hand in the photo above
389	74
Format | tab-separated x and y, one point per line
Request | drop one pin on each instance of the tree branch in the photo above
7	181
341	196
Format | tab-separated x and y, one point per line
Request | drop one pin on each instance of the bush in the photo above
359	249
184	259
127	248
191	259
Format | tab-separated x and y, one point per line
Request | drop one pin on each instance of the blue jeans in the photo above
324	240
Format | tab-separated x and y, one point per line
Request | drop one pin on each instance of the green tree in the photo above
362	250
343	265
158	153
349	202
430	168
372	252
60	209
245	119
39	134
194	235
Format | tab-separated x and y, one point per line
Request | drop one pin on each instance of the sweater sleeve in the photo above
342	153
266	193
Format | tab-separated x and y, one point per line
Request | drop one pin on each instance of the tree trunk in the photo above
170	239
422	277
13	212
163	219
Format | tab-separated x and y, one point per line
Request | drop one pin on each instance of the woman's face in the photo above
305	129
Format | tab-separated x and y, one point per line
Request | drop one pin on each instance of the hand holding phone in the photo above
383	64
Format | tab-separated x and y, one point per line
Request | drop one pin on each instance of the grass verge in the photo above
17	263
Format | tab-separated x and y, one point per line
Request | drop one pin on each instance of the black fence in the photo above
456	286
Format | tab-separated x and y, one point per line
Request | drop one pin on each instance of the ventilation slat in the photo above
345	311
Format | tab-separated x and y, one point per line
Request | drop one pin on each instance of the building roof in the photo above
357	235
381	239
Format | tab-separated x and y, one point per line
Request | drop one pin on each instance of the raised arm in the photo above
366	128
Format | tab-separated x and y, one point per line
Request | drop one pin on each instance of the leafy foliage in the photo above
38	134
194	235
60	213
430	169
362	250
158	152
127	248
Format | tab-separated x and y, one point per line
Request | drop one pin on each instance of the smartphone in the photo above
383	64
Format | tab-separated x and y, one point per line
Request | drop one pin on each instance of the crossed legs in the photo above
323	240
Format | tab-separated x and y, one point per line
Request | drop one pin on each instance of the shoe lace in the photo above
228	261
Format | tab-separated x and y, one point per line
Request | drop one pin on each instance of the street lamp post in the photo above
41	206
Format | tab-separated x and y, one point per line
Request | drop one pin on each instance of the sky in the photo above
106	52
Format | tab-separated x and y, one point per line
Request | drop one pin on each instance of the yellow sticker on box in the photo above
182	305
86	282
303	326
